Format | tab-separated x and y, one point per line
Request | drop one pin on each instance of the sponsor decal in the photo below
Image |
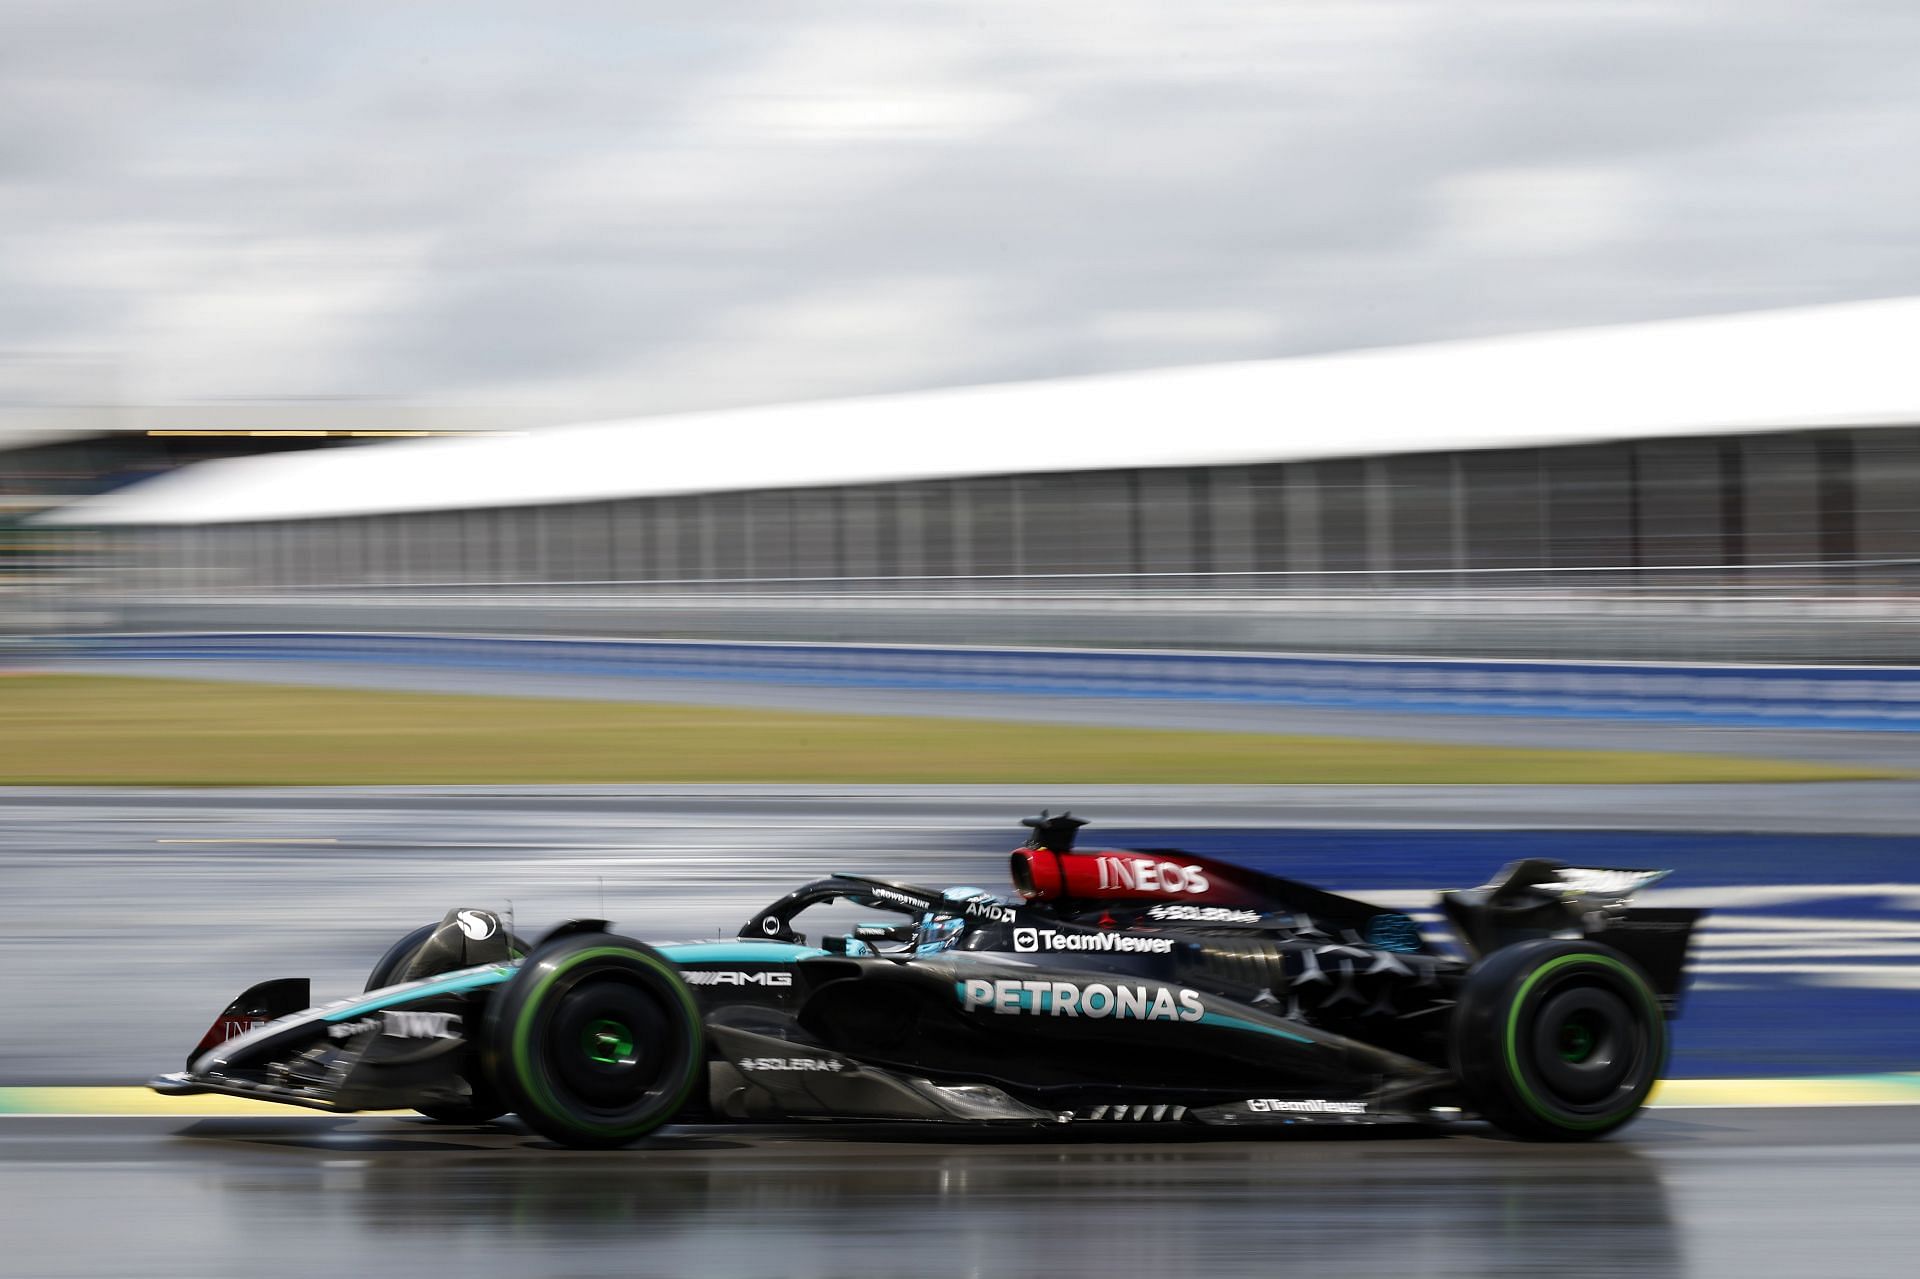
1081	999
233	1027
1147	875
770	926
401	1025
348	1029
909	900
478	925
1288	1106
791	1063
696	977
987	908
1204	914
1030	940
422	1025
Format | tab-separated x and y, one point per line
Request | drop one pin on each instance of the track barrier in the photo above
1805	697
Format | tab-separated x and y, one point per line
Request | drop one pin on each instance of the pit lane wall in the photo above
1881	698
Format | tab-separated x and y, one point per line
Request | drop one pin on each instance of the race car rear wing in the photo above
1539	897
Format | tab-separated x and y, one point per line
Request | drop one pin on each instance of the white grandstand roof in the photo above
1848	365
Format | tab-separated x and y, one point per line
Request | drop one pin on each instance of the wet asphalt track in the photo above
137	913
1697	1193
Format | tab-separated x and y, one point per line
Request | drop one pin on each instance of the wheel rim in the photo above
1586	1047
1585	1041
608	1042
607	1045
602	1044
1577	1039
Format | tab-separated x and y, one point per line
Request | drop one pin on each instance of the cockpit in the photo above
836	913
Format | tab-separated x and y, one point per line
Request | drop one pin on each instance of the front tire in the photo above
595	1042
1558	1040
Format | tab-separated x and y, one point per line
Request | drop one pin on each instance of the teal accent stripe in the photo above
1235	1023
737	952
744	952
457	984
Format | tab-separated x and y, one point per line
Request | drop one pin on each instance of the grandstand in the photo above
1776	450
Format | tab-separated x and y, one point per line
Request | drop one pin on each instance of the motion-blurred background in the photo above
1286	316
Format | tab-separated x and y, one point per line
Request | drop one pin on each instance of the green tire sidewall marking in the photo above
1512	1042
535	1081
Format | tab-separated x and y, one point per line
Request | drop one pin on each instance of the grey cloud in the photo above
588	202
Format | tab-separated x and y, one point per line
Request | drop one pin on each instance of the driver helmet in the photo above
939	929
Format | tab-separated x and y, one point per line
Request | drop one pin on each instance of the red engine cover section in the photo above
1118	875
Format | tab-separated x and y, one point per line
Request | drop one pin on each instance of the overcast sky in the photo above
625	207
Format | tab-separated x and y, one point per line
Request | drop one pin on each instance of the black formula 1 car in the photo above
1147	987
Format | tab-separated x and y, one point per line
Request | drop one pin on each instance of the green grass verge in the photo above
105	730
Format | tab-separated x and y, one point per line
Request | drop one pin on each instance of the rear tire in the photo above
595	1042
1558	1040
